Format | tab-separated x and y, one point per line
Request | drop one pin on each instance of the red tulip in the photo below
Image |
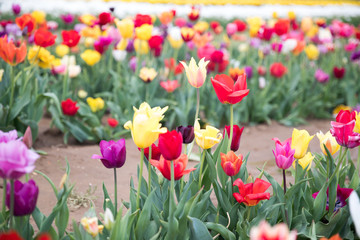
179	167
155	41
282	26
227	91
194	14
70	38
343	129
142	19
252	193
339	72
105	18
237	132
112	122
11	235
241	26
265	33
26	21
231	163
170	144
155	152
69	107
44	38
277	69
170	86
261	70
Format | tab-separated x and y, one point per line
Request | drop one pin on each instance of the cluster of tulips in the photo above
83	69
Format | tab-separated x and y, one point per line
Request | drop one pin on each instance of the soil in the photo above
87	173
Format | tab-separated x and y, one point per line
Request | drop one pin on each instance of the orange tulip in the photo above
10	53
26	21
231	163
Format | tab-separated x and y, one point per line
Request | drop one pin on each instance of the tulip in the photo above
16	159
261	70
175	42
141	20
96	104
231	163
170	144
321	76
284	155
262	82
39	16
147	74
252	193
144	32
112	122
179	166
62	50
141	47
187	133
300	141
16	8
312	52
44	38
11	235
27	22
91	226
145	127
265	33
90	57
237	132
342	194
71	38
194	14
277	69
333	237
156	41
208	137
305	162
229	92
343	129
187	34
105	18
25	197
170	86
231	28
108	219
113	153
10	53
281	26
68	18
155	152
354	207
69	107
8	136
235	73
339	72
41	57
265	232
27	139
201	26
329	141
126	27
102	44
196	74
166	17
241	26
119	55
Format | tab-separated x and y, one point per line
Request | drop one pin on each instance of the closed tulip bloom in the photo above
25	197
145	127
62	50
321	76
44	38
196	74
170	144
306	161
343	129
16	159
300	141
312	52
284	155
91	226
69	107
141	47
278	232
170	86
277	69
126	27
113	154
339	72
112	122
231	163
16	8
208	137
179	167
252	193
187	133
237	132
90	57
147	74
95	104
144	32
71	38
187	34
27	139
329	141
10	53
155	152
229	92
41	57
40	16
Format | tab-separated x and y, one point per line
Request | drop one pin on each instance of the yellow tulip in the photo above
196	75
306	24
305	161
141	47
61	50
144	32
275	15
357	123
96	104
312	52
91	32
41	57
146	127
126	27
175	43
39	16
122	44
91	57
254	25
208	137
291	15
89	42
201	26
91	226
339	108
82	93
300	141
88	19
313	31
1	74
147	74
329	141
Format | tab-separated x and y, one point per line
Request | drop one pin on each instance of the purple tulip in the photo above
248	71
113	153
68	18
341	195
255	42
355	55
321	76
13	29
16	9
8	136
130	46
322	48
187	133
284	155
79	26
16	159
25	197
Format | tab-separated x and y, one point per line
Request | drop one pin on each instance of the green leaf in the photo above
21	102
144	218
320	203
198	229
224	232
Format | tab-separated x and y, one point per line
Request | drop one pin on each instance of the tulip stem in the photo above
284	179
140	178
66	79
172	199
11	202
296	169
201	166
4	196
197	104
358	159
248	213
115	191
149	170
231	126
12	89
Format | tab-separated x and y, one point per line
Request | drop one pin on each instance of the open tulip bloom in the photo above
252	193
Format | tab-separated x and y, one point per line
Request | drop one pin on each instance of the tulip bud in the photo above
108	219
231	163
27	139
170	144
187	133
237	132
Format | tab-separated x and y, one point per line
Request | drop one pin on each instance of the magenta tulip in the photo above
284	155
113	153
8	136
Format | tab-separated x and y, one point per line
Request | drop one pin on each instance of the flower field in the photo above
174	84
